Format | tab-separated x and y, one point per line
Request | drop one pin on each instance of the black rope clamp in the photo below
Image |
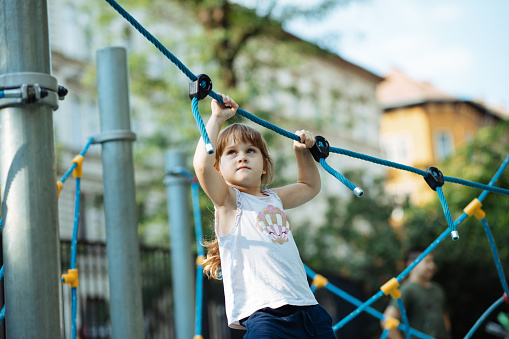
201	87
320	149
434	178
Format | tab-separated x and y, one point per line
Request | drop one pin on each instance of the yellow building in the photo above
420	127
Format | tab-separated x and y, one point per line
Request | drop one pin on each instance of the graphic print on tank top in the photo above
273	222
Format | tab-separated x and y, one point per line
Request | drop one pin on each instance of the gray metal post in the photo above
177	190
28	178
126	309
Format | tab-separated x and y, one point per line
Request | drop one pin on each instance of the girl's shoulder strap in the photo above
271	193
238	197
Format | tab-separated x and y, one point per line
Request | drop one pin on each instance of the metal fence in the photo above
93	319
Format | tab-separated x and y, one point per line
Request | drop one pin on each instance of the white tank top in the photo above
260	263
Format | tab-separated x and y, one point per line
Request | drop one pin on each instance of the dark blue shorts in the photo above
299	322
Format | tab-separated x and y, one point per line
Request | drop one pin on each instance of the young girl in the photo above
265	285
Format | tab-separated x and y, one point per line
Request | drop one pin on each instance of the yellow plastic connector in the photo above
197	337
474	208
60	185
199	260
320	281
391	287
78	171
391	323
72	278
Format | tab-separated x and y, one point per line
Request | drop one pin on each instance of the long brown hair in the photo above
233	134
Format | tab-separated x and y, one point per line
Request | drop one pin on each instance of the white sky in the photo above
459	46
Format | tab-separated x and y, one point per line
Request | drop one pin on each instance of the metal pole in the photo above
28	180
119	194
177	190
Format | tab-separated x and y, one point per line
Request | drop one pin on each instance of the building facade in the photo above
421	126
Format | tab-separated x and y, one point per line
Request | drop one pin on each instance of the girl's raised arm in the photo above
210	179
308	183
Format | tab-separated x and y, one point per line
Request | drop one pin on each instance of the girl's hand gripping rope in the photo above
226	110
307	140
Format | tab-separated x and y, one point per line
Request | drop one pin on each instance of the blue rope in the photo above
404	317
358	310
2	94
378	161
152	39
427	251
447	212
74	250
341	178
74	242
496	257
477	185
2	314
73	166
497	175
74	311
384	334
356	302
201	126
483	317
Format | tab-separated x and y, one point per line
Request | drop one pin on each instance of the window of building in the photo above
444	144
398	147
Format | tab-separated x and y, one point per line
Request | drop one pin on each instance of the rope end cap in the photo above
455	235
358	192
209	148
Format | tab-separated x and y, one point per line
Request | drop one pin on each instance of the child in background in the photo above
265	285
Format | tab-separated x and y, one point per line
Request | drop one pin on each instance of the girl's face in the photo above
241	165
